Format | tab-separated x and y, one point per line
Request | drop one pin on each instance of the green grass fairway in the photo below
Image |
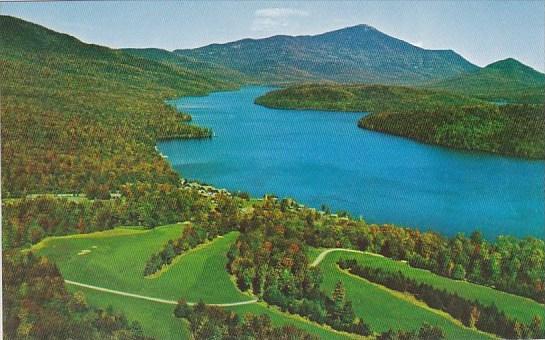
120	255
157	319
515	306
115	260
383	309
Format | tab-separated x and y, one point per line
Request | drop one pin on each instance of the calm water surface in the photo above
324	158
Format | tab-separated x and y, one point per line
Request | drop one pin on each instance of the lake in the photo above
324	158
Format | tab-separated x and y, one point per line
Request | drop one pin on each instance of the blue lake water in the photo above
324	158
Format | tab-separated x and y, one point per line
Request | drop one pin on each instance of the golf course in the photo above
108	267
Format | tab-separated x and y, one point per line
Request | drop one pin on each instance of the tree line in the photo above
425	332
486	318
28	220
269	260
509	264
209	322
220	220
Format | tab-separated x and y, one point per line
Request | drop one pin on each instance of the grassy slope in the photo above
517	307
118	262
157	319
121	259
369	298
503	81
433	117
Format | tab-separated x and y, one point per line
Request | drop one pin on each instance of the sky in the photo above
481	31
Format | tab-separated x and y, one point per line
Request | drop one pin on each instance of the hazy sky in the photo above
481	31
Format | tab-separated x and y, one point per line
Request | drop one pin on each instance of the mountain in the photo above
354	54
503	81
78	116
21	40
198	66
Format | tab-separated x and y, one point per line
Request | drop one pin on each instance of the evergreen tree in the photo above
339	295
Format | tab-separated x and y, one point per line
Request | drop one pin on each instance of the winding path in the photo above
314	263
324	253
149	298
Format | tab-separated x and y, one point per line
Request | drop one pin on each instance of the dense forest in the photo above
429	116
512	130
79	117
364	98
28	220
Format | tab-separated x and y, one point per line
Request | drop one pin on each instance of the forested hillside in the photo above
430	116
363	98
203	68
505	81
79	117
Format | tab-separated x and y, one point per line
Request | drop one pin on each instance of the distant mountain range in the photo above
358	54
354	54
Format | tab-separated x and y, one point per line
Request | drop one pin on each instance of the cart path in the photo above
314	263
149	298
324	253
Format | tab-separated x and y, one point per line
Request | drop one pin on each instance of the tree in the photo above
458	273
536	331
97	191
168	253
471	316
325	209
339	294
79	302
476	237
182	310
347	313
429	332
361	328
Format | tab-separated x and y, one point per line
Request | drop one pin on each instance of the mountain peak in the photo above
361	27
509	65
356	29
359	53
